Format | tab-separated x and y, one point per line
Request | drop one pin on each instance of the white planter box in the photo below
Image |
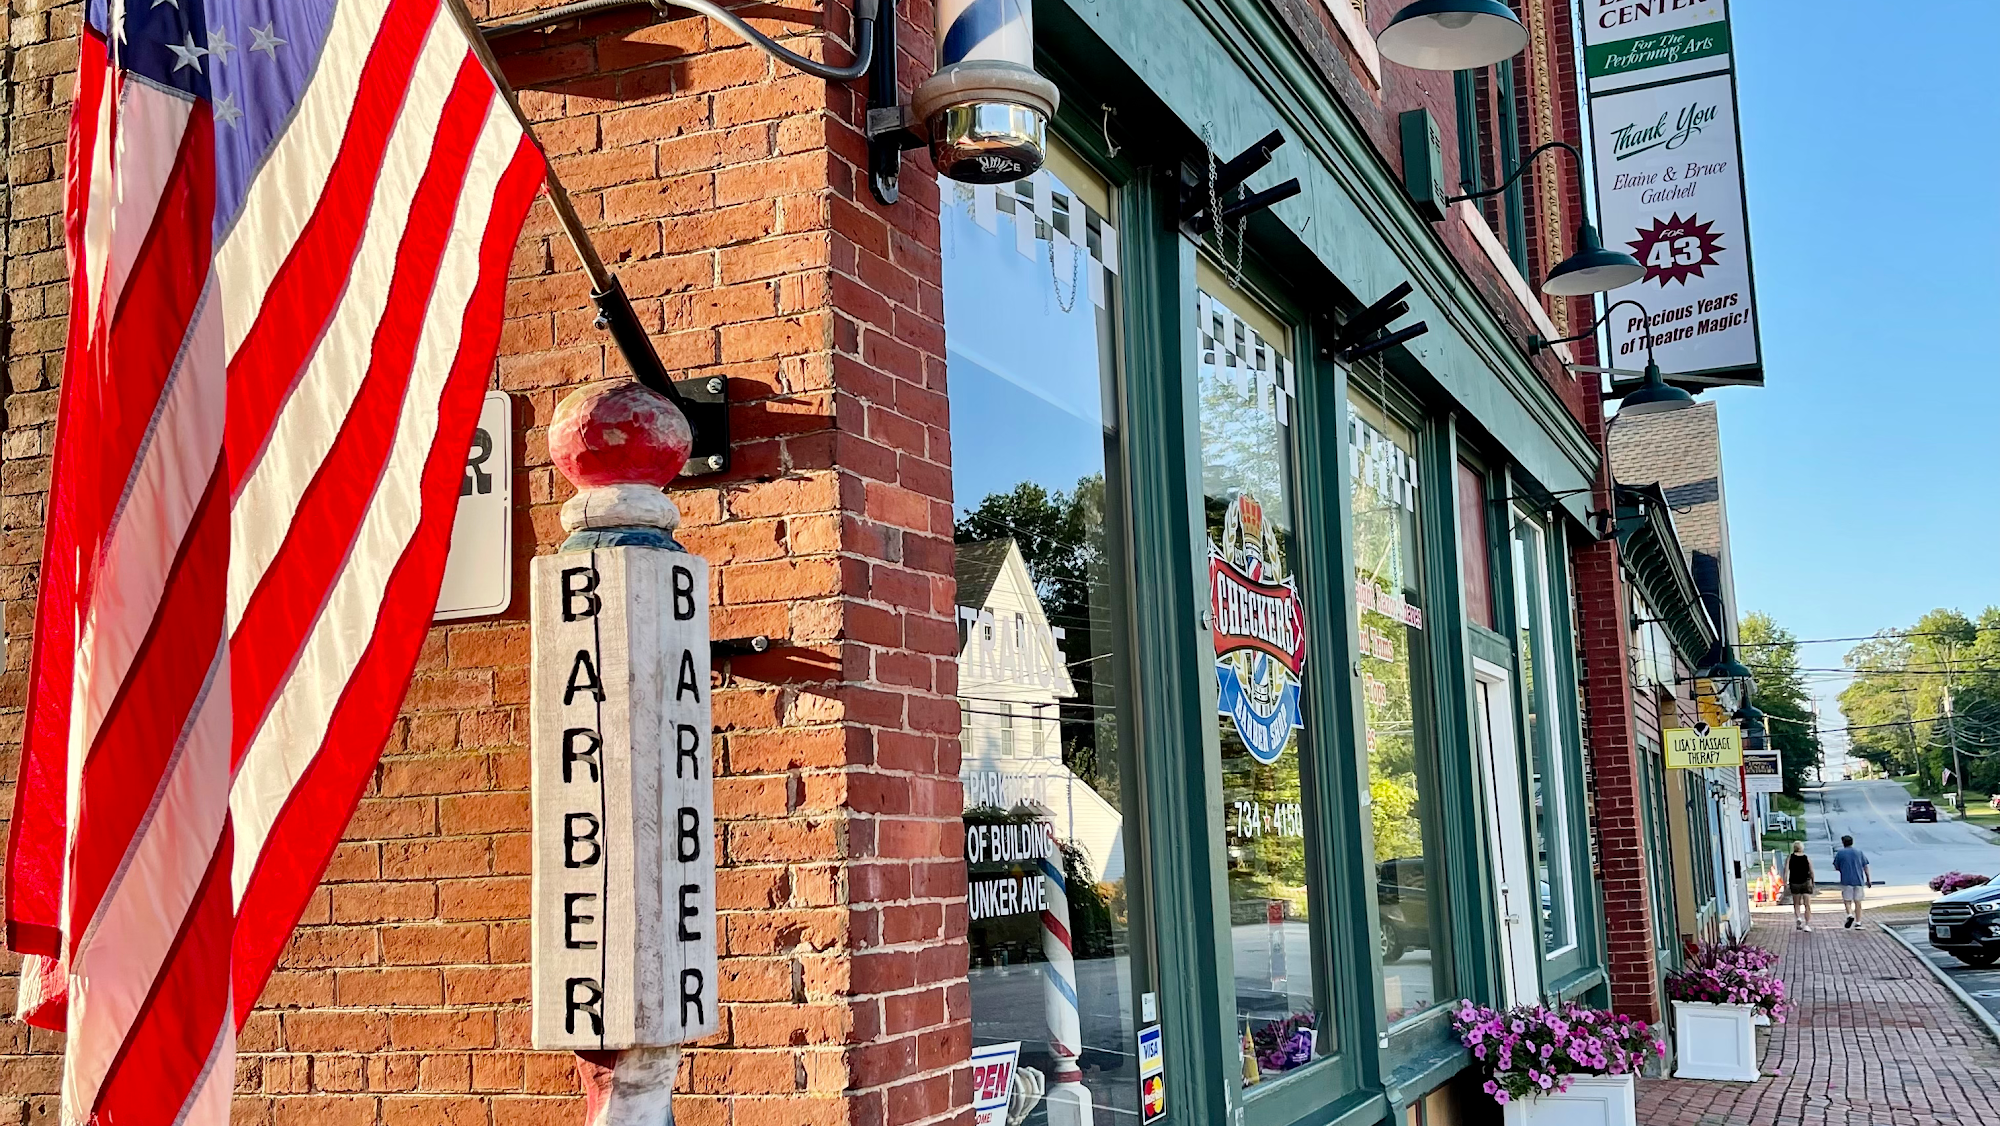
1715	1042
1592	1100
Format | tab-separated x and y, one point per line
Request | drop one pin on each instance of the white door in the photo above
1515	892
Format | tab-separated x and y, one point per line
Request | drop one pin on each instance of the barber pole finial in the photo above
621	443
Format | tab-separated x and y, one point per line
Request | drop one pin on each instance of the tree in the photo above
1918	691
1772	653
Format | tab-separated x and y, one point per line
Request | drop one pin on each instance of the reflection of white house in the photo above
1012	674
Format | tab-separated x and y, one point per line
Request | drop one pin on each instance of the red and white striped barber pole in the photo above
624	927
1068	1099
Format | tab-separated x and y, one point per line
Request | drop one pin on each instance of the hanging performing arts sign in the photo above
1670	187
1638	42
1260	637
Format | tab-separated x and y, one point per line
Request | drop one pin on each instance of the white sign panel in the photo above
623	916
1634	42
479	572
1670	189
1763	772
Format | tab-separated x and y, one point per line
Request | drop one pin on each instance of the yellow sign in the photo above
1692	748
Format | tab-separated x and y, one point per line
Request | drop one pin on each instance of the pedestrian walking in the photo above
1800	882
1852	864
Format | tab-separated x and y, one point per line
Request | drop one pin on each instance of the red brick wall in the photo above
728	194
1603	620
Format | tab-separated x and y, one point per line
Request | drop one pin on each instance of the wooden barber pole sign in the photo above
624	807
624	926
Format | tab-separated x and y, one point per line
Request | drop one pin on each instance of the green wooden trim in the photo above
1233	65
1179	793
1340	770
1458	805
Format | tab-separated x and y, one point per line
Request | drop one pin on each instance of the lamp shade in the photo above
1728	668
1592	269
1453	35
1655	396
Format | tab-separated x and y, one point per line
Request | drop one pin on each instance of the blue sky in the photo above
1864	479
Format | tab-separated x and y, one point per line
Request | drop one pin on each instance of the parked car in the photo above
1966	924
1920	810
1402	893
1994	801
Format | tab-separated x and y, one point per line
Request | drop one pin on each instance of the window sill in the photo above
1470	217
1355	28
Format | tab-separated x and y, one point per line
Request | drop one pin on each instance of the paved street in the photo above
1901	855
1874	1040
1982	985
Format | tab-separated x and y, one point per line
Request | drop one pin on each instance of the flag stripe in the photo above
141	732
309	285
293	731
301	839
304	430
164	1057
129	939
36	831
292	590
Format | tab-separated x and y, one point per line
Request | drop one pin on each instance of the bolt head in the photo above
715	386
715	461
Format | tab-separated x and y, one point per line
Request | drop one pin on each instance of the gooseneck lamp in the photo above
1452	35
1655	395
1591	268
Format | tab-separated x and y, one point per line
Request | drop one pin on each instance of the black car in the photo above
1402	892
1966	924
1920	810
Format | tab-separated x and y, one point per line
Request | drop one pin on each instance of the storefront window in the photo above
1030	272
1258	622
1389	597
1550	787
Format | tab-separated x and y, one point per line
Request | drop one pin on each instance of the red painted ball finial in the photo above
622	444
619	432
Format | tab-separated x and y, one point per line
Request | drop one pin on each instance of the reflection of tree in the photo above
1061	537
1384	534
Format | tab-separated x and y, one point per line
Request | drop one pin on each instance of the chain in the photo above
1075	270
1215	216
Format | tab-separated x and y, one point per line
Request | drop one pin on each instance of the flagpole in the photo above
614	309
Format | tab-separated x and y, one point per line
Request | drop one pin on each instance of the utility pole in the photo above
1951	734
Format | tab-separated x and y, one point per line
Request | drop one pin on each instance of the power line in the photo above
1885	637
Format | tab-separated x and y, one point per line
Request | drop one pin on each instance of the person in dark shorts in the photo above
1799	881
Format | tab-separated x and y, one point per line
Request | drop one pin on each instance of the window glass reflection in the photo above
1389	601
1030	272
1550	786
1258	625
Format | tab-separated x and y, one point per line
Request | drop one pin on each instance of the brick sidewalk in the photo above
1873	1040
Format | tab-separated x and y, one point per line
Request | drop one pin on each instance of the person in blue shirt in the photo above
1852	864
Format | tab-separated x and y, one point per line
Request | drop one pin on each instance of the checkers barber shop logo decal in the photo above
1260	640
1676	249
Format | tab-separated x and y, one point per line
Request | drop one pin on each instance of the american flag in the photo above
289	226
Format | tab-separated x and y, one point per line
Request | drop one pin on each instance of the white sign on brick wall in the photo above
624	926
479	572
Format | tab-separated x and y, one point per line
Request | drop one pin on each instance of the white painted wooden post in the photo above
624	925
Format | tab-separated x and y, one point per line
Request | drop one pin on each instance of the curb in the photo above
1978	1010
